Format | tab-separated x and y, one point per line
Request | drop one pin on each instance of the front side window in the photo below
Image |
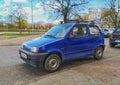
80	31
94	31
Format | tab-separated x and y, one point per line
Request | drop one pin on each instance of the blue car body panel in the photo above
67	48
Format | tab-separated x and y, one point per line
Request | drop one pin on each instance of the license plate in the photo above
117	41
24	55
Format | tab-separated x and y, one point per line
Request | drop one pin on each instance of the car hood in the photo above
38	42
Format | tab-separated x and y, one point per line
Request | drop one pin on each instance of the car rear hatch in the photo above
116	35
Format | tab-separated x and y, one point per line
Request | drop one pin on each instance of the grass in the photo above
3	29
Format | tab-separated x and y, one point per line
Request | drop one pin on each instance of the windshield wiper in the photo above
50	36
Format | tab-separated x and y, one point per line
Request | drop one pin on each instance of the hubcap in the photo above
53	63
99	53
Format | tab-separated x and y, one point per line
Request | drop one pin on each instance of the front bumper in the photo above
34	59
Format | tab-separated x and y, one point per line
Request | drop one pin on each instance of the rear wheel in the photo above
52	63
98	53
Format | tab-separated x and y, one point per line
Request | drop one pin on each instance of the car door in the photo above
77	45
95	38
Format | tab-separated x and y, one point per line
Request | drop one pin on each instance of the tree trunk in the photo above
65	18
20	30
116	24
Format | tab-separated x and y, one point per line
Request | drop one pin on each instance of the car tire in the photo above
112	45
98	53
52	63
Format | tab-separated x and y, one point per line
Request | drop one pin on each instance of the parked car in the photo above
63	42
115	37
108	31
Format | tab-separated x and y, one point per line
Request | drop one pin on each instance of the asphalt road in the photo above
14	71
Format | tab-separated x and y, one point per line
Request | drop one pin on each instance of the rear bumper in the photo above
33	59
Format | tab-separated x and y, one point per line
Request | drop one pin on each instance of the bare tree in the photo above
112	12
10	18
66	8
19	14
106	18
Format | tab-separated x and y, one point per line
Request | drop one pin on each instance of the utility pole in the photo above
32	25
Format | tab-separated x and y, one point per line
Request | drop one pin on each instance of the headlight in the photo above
34	49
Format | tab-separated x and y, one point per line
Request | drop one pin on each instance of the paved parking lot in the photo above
84	71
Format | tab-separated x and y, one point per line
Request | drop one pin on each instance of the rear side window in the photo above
94	31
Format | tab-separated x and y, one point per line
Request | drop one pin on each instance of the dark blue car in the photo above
63	42
115	37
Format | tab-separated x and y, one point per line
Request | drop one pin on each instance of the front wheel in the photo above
98	53
52	63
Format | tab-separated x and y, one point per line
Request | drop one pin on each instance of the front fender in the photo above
56	51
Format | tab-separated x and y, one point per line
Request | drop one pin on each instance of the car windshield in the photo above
58	31
118	29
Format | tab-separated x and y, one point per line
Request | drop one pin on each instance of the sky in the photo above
97	3
39	13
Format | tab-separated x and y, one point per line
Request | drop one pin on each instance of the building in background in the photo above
94	14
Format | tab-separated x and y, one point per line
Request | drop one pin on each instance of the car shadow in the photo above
65	66
39	72
79	62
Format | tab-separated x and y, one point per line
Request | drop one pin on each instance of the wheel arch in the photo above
53	52
103	46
